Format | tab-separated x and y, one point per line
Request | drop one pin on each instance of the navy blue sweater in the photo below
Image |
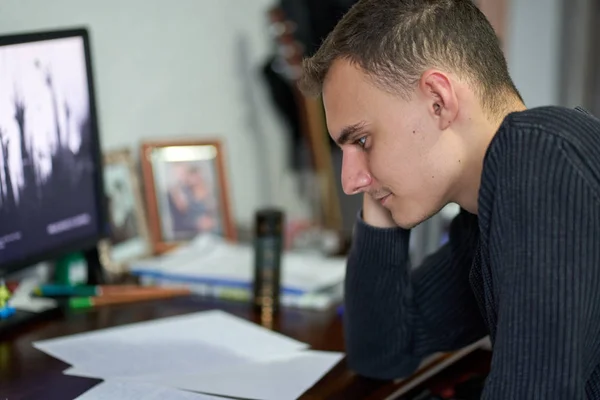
525	270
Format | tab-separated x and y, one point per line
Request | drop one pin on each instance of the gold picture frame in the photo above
186	185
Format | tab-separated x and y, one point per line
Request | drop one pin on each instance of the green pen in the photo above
54	290
124	297
81	302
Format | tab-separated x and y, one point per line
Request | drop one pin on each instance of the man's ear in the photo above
440	96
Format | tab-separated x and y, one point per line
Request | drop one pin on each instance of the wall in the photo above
170	71
177	69
580	58
534	48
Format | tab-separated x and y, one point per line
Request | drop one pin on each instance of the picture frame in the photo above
186	190
129	238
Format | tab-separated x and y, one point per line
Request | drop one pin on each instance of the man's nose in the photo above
355	177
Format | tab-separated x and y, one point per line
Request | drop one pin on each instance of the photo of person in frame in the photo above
193	204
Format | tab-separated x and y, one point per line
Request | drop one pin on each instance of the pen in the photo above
94	301
51	290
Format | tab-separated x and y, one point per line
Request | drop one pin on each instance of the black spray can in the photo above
268	248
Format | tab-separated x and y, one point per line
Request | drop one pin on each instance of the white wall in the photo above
168	69
579	53
534	48
173	69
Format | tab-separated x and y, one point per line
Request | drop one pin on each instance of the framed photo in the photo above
129	239
186	191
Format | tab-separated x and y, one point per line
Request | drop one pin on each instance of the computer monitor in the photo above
51	189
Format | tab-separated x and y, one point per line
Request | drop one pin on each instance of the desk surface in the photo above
27	373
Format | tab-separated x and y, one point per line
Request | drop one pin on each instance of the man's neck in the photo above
467	195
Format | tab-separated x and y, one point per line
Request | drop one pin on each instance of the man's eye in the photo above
361	142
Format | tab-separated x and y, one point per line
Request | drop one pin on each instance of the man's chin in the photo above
407	225
408	221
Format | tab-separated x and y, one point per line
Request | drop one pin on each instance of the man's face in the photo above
393	149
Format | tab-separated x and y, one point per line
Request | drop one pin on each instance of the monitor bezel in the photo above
88	242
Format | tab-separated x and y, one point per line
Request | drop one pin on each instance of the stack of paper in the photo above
212	266
202	352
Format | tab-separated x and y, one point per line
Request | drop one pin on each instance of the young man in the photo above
418	96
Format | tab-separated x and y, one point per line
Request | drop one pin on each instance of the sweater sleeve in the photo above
545	250
394	315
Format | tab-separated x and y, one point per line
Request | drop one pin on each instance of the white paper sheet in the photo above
279	378
119	390
198	343
22	300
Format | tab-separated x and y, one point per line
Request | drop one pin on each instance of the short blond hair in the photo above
395	41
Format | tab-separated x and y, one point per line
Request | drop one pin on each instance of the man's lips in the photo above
383	199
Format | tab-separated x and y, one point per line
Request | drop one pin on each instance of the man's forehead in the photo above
341	74
343	97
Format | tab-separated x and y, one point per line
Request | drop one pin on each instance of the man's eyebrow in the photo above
349	131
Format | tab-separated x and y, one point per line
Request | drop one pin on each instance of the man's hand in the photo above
375	214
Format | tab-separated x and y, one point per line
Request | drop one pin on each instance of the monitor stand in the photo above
22	319
95	271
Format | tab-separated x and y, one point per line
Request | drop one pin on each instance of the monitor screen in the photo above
51	199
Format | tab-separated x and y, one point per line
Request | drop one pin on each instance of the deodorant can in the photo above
268	247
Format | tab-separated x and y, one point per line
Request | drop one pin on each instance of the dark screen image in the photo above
47	187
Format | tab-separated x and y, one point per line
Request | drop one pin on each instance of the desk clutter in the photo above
209	266
209	352
213	267
163	212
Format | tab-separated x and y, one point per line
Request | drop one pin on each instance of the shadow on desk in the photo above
29	374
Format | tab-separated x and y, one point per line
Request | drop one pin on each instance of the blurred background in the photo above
224	69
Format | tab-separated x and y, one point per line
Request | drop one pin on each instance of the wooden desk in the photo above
29	374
